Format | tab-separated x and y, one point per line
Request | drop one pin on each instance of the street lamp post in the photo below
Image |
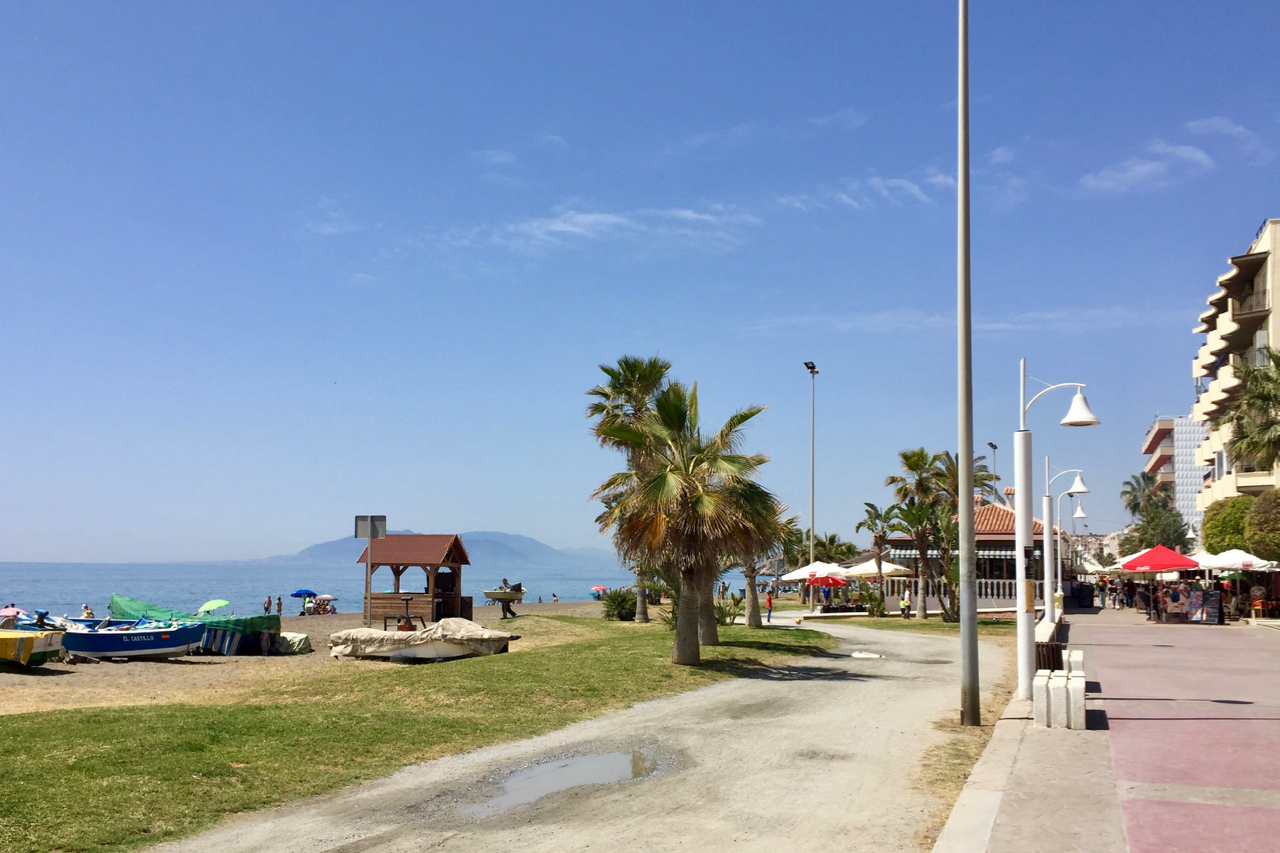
970	696
1079	513
813	396
1052	576
1078	415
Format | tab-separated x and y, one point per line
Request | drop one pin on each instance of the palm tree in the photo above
784	532
829	548
946	478
915	520
1254	415
946	536
1144	491
685	500
918	483
877	523
625	397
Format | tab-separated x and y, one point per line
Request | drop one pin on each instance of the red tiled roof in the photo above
418	549
995	518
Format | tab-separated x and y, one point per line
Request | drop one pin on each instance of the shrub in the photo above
619	605
1262	526
728	611
1223	527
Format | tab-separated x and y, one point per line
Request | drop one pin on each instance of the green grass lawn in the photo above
987	628
120	778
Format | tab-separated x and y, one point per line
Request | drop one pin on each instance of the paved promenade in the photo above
1183	751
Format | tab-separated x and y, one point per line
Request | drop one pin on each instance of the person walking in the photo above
266	607
768	606
905	603
506	605
279	606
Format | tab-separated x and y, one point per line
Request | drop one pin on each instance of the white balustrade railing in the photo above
988	589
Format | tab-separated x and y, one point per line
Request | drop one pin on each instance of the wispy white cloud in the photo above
846	119
552	140
896	190
939	179
1167	163
1254	148
801	201
326	218
494	157
724	138
896	322
1000	156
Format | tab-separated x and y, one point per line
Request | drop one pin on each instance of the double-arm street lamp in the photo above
1052	578
1078	415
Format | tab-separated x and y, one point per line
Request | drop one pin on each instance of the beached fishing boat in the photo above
120	638
443	640
30	648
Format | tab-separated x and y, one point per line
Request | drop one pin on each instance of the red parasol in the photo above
826	580
599	588
1159	559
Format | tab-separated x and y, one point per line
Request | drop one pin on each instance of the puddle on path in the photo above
866	655
534	783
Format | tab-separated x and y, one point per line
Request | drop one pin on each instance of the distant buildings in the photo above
1237	329
1170	448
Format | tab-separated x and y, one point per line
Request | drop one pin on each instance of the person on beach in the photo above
768	606
279	606
554	598
506	605
266	606
86	612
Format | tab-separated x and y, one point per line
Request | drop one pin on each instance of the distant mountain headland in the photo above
490	549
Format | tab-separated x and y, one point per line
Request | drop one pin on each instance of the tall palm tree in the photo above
1254	415
686	499
946	478
877	523
915	520
829	548
918	481
1144	491
626	396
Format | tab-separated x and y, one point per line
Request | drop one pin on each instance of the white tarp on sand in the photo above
463	632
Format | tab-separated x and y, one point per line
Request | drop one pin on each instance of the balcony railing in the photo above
1251	303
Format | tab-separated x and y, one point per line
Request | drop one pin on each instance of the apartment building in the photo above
1171	446
1237	329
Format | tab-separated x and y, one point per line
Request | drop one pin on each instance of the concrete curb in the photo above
968	829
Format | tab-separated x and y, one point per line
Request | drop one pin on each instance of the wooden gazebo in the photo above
440	555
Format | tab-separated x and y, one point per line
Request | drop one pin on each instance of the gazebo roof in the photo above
418	549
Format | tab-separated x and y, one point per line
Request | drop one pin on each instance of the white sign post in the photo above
369	528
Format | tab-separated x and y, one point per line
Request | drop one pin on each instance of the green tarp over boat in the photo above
123	607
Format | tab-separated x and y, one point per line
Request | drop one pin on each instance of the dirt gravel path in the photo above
813	756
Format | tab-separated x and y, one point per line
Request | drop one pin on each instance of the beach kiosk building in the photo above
440	555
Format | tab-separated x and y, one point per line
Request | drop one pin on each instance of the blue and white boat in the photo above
123	638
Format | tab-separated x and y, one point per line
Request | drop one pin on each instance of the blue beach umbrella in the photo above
302	593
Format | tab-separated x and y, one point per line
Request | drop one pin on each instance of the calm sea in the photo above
61	588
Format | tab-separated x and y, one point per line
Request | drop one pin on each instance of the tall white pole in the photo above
1022	528
970	698
1050	612
813	396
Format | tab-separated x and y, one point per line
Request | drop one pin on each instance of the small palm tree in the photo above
918	481
946	478
686	500
626	397
915	520
1143	492
1254	415
877	523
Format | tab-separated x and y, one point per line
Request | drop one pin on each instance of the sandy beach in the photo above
213	679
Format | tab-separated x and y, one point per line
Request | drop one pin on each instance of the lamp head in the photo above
1079	414
1079	513
812	367
992	445
1078	487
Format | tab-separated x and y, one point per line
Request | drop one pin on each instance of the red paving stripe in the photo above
1158	826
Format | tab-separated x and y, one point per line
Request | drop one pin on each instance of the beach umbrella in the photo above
599	588
302	593
1232	559
11	611
326	598
826	580
1159	559
210	606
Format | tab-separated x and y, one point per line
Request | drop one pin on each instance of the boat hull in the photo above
30	648
144	642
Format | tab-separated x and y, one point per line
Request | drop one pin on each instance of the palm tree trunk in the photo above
753	602
922	610
708	633
686	652
884	604
642	598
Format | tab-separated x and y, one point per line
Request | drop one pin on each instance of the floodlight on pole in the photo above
813	392
1078	415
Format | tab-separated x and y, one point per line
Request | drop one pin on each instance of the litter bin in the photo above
1084	595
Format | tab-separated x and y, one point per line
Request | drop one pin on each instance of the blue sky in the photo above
265	267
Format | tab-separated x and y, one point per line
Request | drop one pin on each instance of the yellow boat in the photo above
30	648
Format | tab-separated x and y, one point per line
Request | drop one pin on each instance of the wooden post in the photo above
431	588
